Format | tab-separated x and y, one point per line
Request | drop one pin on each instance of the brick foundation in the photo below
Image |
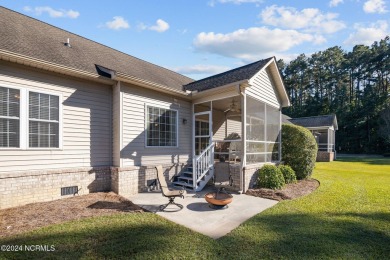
325	156
235	171
127	181
37	186
249	176
22	188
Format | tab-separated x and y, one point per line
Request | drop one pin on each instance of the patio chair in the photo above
222	176
169	193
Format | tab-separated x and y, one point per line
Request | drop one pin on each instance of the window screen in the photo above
9	117
43	120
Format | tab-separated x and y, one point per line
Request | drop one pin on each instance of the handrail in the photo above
204	151
201	164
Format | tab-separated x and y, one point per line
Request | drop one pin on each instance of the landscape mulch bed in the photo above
290	191
25	218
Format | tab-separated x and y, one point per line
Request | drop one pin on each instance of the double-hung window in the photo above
161	127
43	120
29	119
9	118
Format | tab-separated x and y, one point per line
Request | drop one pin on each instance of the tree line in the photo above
354	85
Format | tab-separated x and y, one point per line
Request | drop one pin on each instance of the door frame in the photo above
194	136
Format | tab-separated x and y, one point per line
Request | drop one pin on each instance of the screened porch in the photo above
244	130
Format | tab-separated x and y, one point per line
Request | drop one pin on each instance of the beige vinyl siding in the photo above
223	126
86	122
219	125
263	88
134	151
233	126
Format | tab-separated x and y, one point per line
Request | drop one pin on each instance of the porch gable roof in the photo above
244	73
235	75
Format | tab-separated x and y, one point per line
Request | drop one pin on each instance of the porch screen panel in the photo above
273	133
9	117
262	132
255	131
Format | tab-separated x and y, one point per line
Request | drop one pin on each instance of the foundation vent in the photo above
72	190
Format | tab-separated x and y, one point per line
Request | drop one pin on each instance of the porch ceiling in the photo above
224	104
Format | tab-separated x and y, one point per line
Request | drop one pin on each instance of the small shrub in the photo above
299	150
288	174
269	176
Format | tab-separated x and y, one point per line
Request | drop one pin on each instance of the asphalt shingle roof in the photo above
231	76
315	121
30	37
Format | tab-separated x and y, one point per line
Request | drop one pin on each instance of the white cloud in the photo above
252	43
237	2
52	12
117	23
375	6
160	26
367	35
201	69
309	19
334	3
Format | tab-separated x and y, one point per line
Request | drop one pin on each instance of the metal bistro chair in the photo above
169	193
220	198
222	176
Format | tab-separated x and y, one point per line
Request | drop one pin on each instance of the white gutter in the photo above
219	92
115	76
151	85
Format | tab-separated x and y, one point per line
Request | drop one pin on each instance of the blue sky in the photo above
199	38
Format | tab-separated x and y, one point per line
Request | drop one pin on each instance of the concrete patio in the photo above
198	216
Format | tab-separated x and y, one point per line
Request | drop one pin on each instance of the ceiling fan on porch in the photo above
233	107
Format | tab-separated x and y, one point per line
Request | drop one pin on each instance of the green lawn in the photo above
347	217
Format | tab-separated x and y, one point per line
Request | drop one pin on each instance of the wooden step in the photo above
185	178
181	183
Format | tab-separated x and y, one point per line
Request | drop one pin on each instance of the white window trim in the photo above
146	126
24	119
20	118
59	120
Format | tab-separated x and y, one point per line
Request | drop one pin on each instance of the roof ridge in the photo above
314	116
30	17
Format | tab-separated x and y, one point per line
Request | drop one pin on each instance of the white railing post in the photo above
202	163
194	172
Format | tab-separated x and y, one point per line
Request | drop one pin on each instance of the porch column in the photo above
243	132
